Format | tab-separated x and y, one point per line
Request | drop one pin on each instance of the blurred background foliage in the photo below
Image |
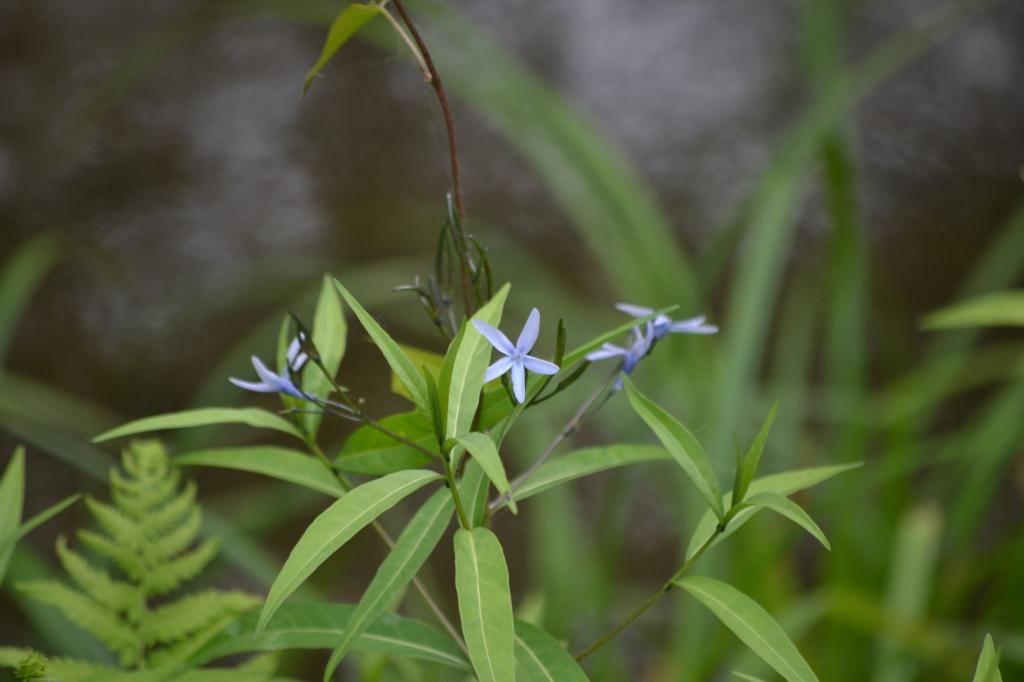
816	175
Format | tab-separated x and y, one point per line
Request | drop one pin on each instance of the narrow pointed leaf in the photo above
206	416
335	526
987	669
329	336
285	464
580	463
8	540
785	483
752	625
541	658
408	374
485	604
425	360
318	625
411	550
753	457
461	395
474	487
12	494
483	450
346	25
681	444
998	309
792	511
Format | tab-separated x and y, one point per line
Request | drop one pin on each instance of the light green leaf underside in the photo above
462	395
285	464
681	444
320	626
485	604
411	550
205	416
785	483
752	625
541	658
335	526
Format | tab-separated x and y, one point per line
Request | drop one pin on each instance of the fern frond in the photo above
171	514
178	653
127	560
117	526
97	583
177	620
73	670
11	657
96	618
169	574
176	541
138	498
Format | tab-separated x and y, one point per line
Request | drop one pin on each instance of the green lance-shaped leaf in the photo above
681	444
426	360
987	669
485	604
346	25
460	395
541	658
319	625
752	624
411	550
473	488
368	451
335	526
999	309
580	463
12	493
408	374
785	483
329	335
747	467
8	540
285	464
792	511
482	449
205	416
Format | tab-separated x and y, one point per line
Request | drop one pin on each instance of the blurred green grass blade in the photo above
987	669
410	552
335	526
284	464
20	276
914	557
541	658
7	541
999	309
12	496
754	626
319	625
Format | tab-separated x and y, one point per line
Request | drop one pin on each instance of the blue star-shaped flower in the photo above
663	324
516	358
271	382
631	356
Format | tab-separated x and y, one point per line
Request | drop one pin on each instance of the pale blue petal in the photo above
538	366
494	335
694	325
252	386
500	366
634	310
606	351
286	386
519	382
528	337
296	359
266	376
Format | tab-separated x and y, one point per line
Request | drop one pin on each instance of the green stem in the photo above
449	476
649	602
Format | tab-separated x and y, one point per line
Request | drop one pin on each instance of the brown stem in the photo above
453	149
